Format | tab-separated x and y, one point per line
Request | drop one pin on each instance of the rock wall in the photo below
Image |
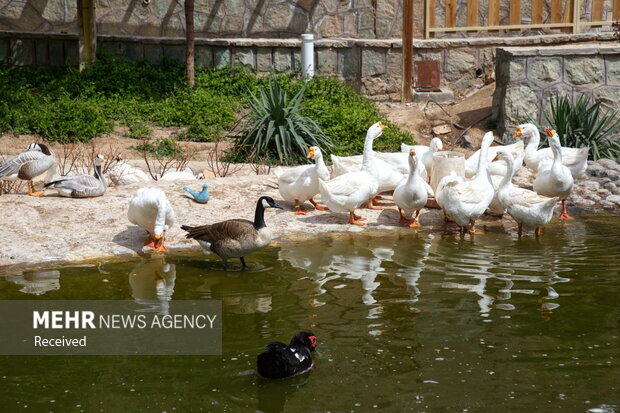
527	77
374	67
215	18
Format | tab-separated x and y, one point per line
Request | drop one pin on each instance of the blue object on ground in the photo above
201	197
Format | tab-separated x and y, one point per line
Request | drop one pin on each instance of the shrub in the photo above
161	148
585	123
278	127
137	129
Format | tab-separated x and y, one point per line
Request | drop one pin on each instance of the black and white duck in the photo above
280	361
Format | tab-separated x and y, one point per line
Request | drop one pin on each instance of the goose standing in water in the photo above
151	210
35	161
82	186
235	238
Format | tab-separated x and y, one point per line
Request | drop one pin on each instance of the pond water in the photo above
406	321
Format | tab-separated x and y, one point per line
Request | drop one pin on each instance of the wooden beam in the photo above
430	14
472	12
450	13
493	13
515	12
189	42
597	10
87	32
407	39
556	11
616	10
537	11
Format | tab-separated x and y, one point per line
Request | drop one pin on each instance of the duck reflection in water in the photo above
152	284
36	282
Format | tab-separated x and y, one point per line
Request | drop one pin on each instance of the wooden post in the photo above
87	23
406	92
189	42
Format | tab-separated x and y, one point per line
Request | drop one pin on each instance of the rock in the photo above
604	192
583	70
595	198
520	102
609	164
466	143
442	129
546	70
614	199
585	202
608	205
590	185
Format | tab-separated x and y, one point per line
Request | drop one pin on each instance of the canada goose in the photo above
151	210
82	186
235	238
35	161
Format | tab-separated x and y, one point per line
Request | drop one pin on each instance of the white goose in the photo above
425	153
471	164
347	192
554	179
301	184
575	159
465	201
529	209
410	195
151	210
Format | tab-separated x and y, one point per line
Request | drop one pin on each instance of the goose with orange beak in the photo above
554	179
410	195
301	184
346	193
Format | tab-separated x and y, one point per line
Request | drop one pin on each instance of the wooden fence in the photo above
563	14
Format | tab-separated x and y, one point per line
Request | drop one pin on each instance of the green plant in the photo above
585	123
279	128
161	148
137	129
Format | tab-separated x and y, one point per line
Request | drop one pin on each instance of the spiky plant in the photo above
585	123
278	127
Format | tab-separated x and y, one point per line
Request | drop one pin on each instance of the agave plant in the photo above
278	127
584	123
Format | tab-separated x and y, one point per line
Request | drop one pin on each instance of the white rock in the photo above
614	198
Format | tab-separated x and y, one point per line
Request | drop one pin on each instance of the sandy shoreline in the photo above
51	229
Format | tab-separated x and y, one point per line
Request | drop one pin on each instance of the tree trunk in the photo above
189	41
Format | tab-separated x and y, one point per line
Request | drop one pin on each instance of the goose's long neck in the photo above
259	215
368	154
414	172
483	161
534	141
99	174
557	154
507	179
320	166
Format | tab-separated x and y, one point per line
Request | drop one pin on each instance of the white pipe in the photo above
307	55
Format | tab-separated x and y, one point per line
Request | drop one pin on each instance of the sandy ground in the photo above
52	228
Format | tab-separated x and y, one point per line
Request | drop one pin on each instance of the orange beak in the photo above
411	152
496	158
439	149
383	127
518	133
549	132
311	153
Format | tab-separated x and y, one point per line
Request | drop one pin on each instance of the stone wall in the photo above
214	18
527	77
373	67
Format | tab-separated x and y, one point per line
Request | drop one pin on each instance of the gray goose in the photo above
83	185
235	238
26	166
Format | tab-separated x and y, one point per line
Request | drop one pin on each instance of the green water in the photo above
405	322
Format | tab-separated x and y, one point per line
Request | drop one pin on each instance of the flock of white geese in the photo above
487	184
359	180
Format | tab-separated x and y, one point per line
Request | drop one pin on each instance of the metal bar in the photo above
406	87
